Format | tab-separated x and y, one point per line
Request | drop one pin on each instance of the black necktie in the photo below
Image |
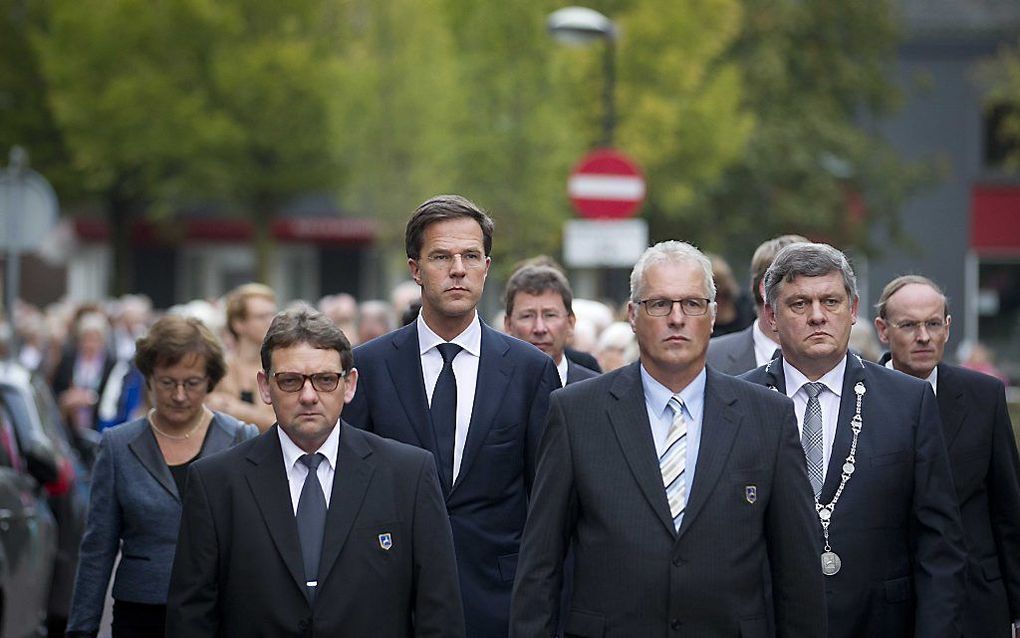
444	413
311	521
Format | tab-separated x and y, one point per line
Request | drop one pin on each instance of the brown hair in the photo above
902	281
762	259
536	280
237	302
441	208
173	338
303	324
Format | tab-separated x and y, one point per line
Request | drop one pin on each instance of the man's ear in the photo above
263	382
881	327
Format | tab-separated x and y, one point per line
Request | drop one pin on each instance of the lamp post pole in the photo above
581	26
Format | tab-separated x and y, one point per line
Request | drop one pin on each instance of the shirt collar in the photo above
561	367
291	452
833	379
658	395
470	340
933	378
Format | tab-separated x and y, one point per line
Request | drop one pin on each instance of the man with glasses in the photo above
539	311
913	320
474	397
893	554
677	487
314	527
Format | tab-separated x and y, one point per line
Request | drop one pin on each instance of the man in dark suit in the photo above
739	352
314	527
619	458
913	320
474	397
894	555
539	311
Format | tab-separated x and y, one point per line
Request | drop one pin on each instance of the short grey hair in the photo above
669	251
807	260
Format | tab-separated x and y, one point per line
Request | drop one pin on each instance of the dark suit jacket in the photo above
599	486
488	501
577	372
583	359
983	455
135	510
63	377
896	526
733	353
238	569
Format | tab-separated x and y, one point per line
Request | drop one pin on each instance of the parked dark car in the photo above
45	441
28	540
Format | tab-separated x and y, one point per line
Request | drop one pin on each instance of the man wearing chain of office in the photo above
893	553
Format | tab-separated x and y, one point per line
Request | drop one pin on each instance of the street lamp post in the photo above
581	26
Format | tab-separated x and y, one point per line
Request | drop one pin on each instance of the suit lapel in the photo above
853	373
354	469
952	404
271	492
719	426
494	371
629	419
146	449
218	438
405	370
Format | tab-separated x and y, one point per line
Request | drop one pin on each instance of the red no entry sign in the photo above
606	185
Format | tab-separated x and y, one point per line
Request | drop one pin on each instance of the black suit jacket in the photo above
983	455
238	569
488	502
733	353
583	359
599	486
896	526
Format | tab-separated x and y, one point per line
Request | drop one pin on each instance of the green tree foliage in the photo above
748	117
814	76
1003	77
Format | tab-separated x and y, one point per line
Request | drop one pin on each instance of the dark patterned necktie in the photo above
811	436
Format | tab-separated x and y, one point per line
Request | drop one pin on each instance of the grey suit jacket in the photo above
577	372
135	508
733	353
599	488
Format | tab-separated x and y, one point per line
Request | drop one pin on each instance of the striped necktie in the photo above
811	436
673	462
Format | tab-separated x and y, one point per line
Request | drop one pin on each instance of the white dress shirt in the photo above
660	418
763	346
933	378
297	471
465	368
561	368
828	399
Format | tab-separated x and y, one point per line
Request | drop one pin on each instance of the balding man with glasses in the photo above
913	321
314	527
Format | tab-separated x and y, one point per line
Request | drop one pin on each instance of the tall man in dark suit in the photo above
539	311
314	527
474	397
754	346
913	320
676	485
893	554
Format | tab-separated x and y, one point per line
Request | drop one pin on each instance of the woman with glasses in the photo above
139	477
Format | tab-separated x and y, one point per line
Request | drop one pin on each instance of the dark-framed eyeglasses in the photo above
321	381
190	385
690	306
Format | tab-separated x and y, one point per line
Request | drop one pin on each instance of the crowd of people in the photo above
703	459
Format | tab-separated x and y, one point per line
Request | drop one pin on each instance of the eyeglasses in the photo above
933	326
191	386
321	381
690	306
471	260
